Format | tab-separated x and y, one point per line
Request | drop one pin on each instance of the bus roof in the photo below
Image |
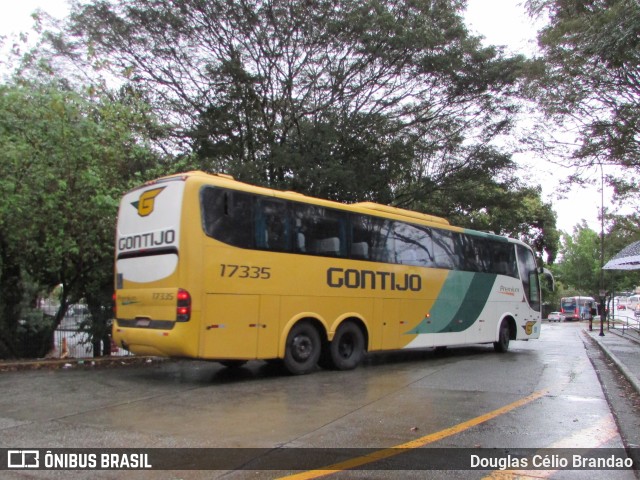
371	208
401	212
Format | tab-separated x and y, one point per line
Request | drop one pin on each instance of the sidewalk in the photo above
622	349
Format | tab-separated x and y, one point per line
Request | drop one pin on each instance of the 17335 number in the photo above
245	271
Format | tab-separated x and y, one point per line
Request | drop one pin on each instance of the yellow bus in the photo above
211	268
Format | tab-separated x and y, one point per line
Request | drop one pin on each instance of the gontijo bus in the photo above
208	267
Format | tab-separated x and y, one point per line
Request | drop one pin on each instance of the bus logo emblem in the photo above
529	328
146	202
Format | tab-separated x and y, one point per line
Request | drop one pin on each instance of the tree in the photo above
588	84
352	100
250	79
65	160
579	270
487	195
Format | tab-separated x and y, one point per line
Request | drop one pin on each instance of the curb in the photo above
76	363
621	366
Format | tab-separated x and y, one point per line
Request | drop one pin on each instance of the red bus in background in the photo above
577	308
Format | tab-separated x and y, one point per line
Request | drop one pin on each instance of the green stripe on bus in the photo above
462	298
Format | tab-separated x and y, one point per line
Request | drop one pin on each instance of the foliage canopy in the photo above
65	159
352	100
588	84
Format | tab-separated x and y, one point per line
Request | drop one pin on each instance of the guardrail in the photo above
628	323
632	325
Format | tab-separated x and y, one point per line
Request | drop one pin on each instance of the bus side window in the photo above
272	225
360	237
471	254
319	230
413	245
504	259
445	251
360	250
227	216
371	239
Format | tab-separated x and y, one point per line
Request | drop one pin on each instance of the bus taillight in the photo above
184	306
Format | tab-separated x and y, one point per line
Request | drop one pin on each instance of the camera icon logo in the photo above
23	459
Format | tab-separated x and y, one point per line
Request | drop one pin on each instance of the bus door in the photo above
240	326
484	328
269	326
390	321
401	322
230	325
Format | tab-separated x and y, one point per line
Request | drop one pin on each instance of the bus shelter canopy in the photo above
626	259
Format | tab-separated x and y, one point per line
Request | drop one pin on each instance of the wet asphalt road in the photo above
548	391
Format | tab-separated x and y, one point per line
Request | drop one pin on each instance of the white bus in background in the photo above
633	301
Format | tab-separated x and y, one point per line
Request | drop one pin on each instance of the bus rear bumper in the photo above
155	342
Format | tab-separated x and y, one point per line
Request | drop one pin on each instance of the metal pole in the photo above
602	290
612	308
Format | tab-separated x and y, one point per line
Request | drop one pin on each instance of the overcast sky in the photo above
501	22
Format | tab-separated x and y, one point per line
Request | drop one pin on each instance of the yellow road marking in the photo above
419	442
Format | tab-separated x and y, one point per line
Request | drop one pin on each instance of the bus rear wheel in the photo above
346	350
302	349
502	345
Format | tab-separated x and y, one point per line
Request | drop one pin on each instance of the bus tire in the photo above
347	348
502	345
302	349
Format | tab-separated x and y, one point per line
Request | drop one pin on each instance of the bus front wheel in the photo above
502	345
302	350
346	350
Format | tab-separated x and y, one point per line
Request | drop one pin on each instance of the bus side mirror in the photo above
548	276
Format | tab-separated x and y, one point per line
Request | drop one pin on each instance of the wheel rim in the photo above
302	348
346	346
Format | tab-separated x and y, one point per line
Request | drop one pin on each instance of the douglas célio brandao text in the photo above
567	461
